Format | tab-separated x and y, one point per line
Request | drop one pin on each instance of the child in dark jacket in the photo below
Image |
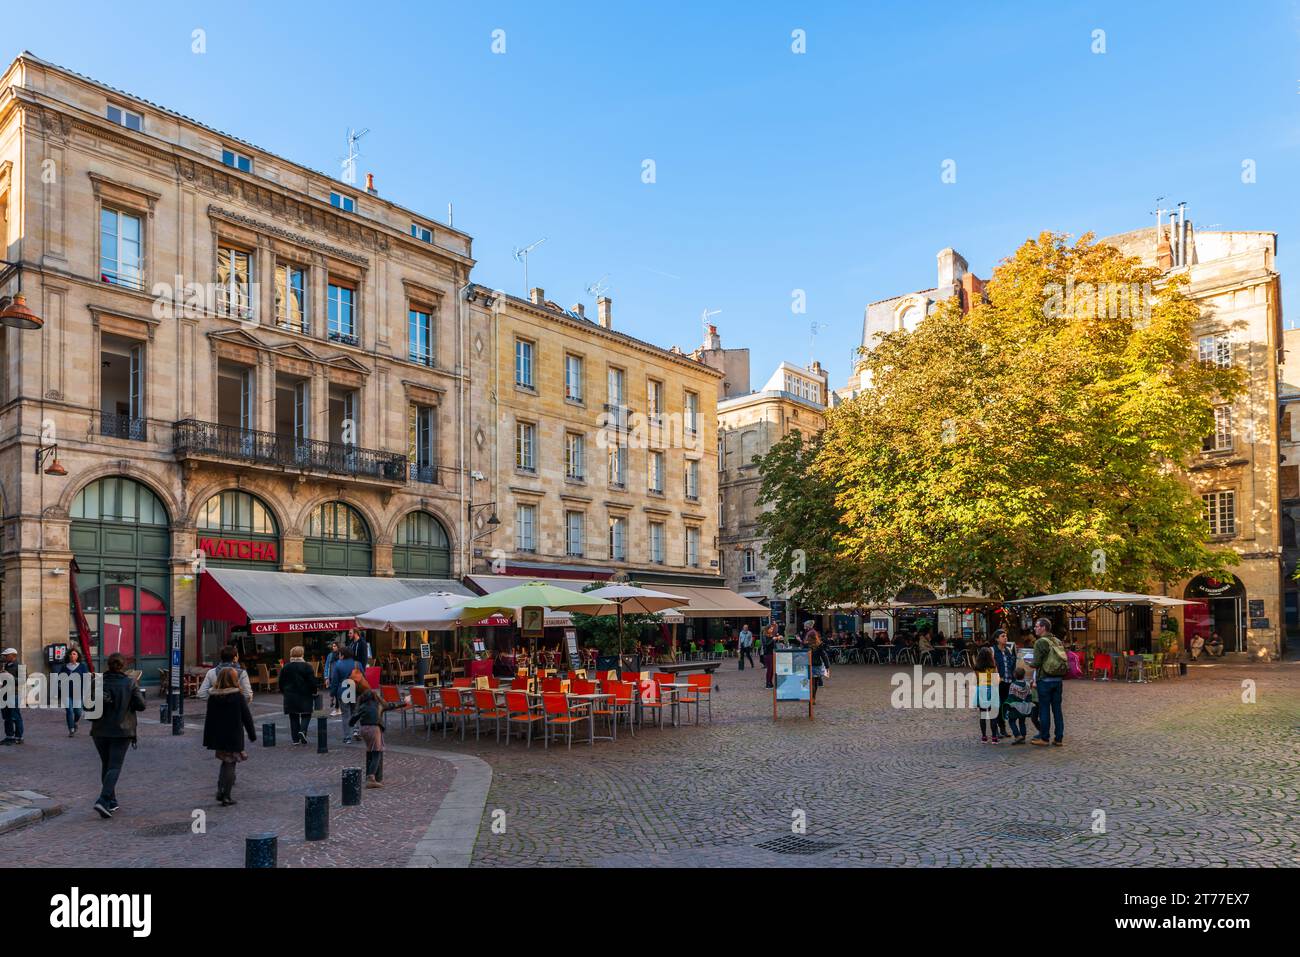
369	714
227	720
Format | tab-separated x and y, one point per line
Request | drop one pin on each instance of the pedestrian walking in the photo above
13	717
369	717
1004	659
818	658
326	678
73	668
746	647
224	727
114	731
298	687
227	659
1050	666
361	650
344	691
1018	705
986	685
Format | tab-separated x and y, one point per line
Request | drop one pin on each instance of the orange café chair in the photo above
654	702
624	693
558	715
520	711
701	690
452	708
421	705
485	706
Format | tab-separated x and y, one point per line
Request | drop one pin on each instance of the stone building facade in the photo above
239	355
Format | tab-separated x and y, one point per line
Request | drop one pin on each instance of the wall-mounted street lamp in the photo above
16	312
55	467
492	521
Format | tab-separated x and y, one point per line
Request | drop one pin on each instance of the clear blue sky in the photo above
775	171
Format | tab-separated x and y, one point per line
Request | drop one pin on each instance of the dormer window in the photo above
422	233
345	203
124	117
237	160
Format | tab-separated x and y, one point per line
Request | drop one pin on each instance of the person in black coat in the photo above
227	719
299	686
115	729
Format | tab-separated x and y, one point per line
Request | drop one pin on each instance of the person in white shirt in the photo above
746	647
229	659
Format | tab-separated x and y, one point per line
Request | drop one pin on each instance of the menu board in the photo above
793	675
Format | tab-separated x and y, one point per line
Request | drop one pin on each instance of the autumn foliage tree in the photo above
1034	444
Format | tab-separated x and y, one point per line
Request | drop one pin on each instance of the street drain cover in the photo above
1033	831
166	829
797	844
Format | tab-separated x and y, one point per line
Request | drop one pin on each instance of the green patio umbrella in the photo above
510	601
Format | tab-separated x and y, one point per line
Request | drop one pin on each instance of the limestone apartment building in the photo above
603	453
245	367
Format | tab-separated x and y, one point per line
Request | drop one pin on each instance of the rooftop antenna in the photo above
521	255
813	327
598	287
350	161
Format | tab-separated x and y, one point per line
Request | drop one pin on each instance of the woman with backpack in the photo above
986	694
227	720
114	731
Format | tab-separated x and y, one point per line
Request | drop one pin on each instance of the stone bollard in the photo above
322	736
268	735
351	787
261	850
317	817
178	724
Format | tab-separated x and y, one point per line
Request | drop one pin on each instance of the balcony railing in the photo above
123	426
616	417
193	437
427	474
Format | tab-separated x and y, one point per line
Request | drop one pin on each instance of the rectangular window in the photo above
121	249
234	282
291	297
618	465
422	444
692	546
692	422
1220	440
524	363
237	160
526	446
1221	512
1215	351
574	454
526	528
422	233
655	480
575	534
345	203
124	117
693	479
618	539
617	396
342	314
573	378
748	566
654	398
420	336
657	543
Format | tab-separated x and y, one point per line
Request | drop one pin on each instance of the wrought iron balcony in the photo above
196	439
123	426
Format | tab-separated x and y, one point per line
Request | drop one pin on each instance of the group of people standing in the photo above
1019	695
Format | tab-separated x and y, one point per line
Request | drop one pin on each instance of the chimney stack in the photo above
580	309
604	312
712	341
370	184
538	295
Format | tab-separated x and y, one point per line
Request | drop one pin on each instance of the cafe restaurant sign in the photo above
303	624
239	548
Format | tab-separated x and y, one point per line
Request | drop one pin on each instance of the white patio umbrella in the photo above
620	599
435	611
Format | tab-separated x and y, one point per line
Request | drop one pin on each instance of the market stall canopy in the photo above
437	611
283	602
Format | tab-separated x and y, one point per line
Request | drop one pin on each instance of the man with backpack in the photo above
1050	667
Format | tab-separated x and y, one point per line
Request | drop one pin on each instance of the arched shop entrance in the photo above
1220	609
121	537
235	530
421	548
337	541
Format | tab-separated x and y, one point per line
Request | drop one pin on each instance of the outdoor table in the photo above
591	700
675	689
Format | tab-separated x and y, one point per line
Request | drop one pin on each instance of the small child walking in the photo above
1019	704
986	694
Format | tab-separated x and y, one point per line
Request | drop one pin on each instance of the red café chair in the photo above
388	694
582	686
654	703
453	708
485	706
520	711
1103	665
624	703
552	686
462	682
701	690
559	714
520	683
421	705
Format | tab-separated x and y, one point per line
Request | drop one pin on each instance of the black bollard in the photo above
317	818
261	850
268	735
163	716
178	724
351	787
322	736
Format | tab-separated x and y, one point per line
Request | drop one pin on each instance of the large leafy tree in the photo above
1033	444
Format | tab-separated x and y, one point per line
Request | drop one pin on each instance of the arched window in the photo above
119	499
339	521
421	548
235	511
337	541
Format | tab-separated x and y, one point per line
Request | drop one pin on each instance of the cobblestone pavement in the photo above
169	777
1184	771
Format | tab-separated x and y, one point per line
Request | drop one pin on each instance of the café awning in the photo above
284	602
714	602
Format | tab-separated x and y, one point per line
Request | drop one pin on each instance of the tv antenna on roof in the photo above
599	286
350	161
813	328
521	255
705	316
